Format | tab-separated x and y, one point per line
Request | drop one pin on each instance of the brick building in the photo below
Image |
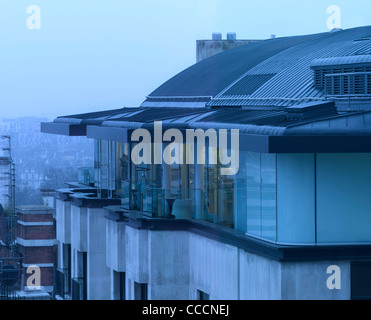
35	234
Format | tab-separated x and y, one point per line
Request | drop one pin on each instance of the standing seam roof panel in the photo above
296	81
212	75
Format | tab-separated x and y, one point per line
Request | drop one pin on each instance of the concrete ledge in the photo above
37	243
238	239
34	210
65	129
40	265
34	223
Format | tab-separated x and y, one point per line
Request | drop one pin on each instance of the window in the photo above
261	188
119	285
219	194
122	283
361	280
140	291
203	295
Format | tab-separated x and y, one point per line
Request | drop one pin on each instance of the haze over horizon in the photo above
107	54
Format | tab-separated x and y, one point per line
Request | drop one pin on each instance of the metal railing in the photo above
61	282
78	289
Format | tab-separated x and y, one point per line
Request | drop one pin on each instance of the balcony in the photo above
155	202
152	201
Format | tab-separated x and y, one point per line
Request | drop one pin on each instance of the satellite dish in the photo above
1	210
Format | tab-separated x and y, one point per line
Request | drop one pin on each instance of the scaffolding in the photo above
5	170
11	267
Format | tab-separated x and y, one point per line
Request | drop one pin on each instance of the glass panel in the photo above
131	196
96	163
103	164
253	183
112	161
225	194
124	162
296	198
268	196
211	196
154	202
343	198
240	194
86	176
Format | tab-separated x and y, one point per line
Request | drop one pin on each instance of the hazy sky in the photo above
103	54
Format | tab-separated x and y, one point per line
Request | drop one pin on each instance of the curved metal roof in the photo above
212	75
275	72
294	82
264	89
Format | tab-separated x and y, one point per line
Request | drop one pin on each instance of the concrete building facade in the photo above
207	48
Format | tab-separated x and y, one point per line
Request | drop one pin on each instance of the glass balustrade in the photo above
86	176
216	206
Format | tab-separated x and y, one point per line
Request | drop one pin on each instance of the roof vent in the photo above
217	36
231	36
310	110
343	76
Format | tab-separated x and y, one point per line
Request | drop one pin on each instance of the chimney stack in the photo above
217	36
208	48
231	36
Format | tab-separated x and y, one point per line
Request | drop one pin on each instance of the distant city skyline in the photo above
97	55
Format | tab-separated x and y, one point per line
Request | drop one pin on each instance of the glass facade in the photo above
324	198
284	198
296	198
257	194
343	198
105	167
245	201
268	195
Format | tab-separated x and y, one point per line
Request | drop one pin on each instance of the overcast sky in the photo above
93	55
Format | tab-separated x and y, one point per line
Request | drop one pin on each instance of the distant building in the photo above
299	205
207	48
32	177
48	197
33	153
